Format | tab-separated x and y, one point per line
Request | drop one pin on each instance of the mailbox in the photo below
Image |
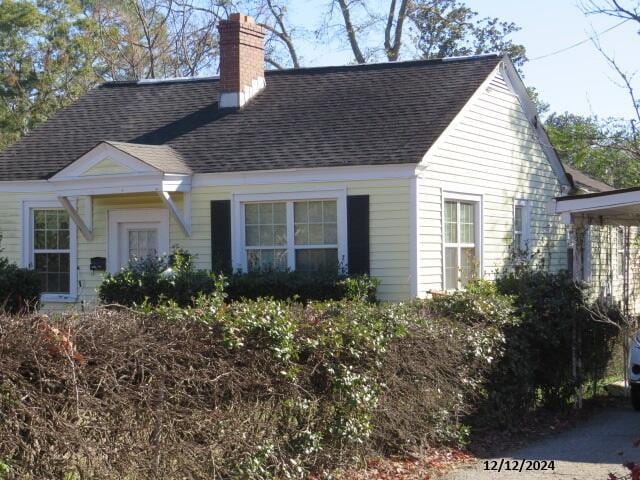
98	264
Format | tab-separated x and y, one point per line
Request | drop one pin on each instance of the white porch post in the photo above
578	251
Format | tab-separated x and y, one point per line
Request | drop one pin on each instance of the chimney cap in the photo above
240	18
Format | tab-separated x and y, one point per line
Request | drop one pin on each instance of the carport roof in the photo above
614	207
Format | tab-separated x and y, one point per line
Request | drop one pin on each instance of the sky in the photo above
578	80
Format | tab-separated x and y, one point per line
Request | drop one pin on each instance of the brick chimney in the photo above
241	60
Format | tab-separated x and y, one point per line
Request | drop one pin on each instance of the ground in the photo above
589	451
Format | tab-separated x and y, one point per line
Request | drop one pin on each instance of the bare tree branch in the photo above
392	48
351	32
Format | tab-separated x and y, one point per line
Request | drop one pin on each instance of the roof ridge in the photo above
327	68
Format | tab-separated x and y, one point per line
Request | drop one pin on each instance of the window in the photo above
620	252
51	252
461	263
266	235
143	243
296	234
520	226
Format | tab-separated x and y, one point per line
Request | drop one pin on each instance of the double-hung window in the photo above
303	235
461	259
521	225
49	249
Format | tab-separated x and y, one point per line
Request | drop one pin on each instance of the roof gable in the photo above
107	166
317	117
117	158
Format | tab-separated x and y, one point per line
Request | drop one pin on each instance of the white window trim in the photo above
134	215
525	234
238	249
28	206
479	228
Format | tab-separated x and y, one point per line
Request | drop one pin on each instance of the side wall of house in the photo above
389	203
492	152
603	272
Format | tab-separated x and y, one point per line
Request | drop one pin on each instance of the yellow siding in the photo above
107	167
389	227
494	152
389	217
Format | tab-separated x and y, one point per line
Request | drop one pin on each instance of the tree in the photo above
153	38
603	149
629	10
430	28
46	61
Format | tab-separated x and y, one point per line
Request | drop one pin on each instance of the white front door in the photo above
136	233
138	240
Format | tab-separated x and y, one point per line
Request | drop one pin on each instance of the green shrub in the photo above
526	325
304	286
20	288
157	280
555	320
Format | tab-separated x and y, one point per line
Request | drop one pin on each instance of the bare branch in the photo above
351	32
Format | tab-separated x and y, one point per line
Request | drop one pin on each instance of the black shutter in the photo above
221	236
358	234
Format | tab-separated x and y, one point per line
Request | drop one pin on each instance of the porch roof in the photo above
613	207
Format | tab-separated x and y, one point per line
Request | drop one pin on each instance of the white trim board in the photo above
155	181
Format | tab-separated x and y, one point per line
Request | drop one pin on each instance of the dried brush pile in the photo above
259	389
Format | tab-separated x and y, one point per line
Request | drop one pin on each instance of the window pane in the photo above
331	233
300	212
54	271
517	218
252	236
314	259
39	240
64	262
266	213
302	234
39	219
280	234
64	282
41	264
329	211
266	235
63	220
450	222
51	240
63	239
51	219
252	214
315	212
280	213
53	283
316	235
315	223
467	223
517	240
266	259
451	268
469	265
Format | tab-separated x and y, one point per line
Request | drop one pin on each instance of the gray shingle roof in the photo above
584	181
376	114
162	157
